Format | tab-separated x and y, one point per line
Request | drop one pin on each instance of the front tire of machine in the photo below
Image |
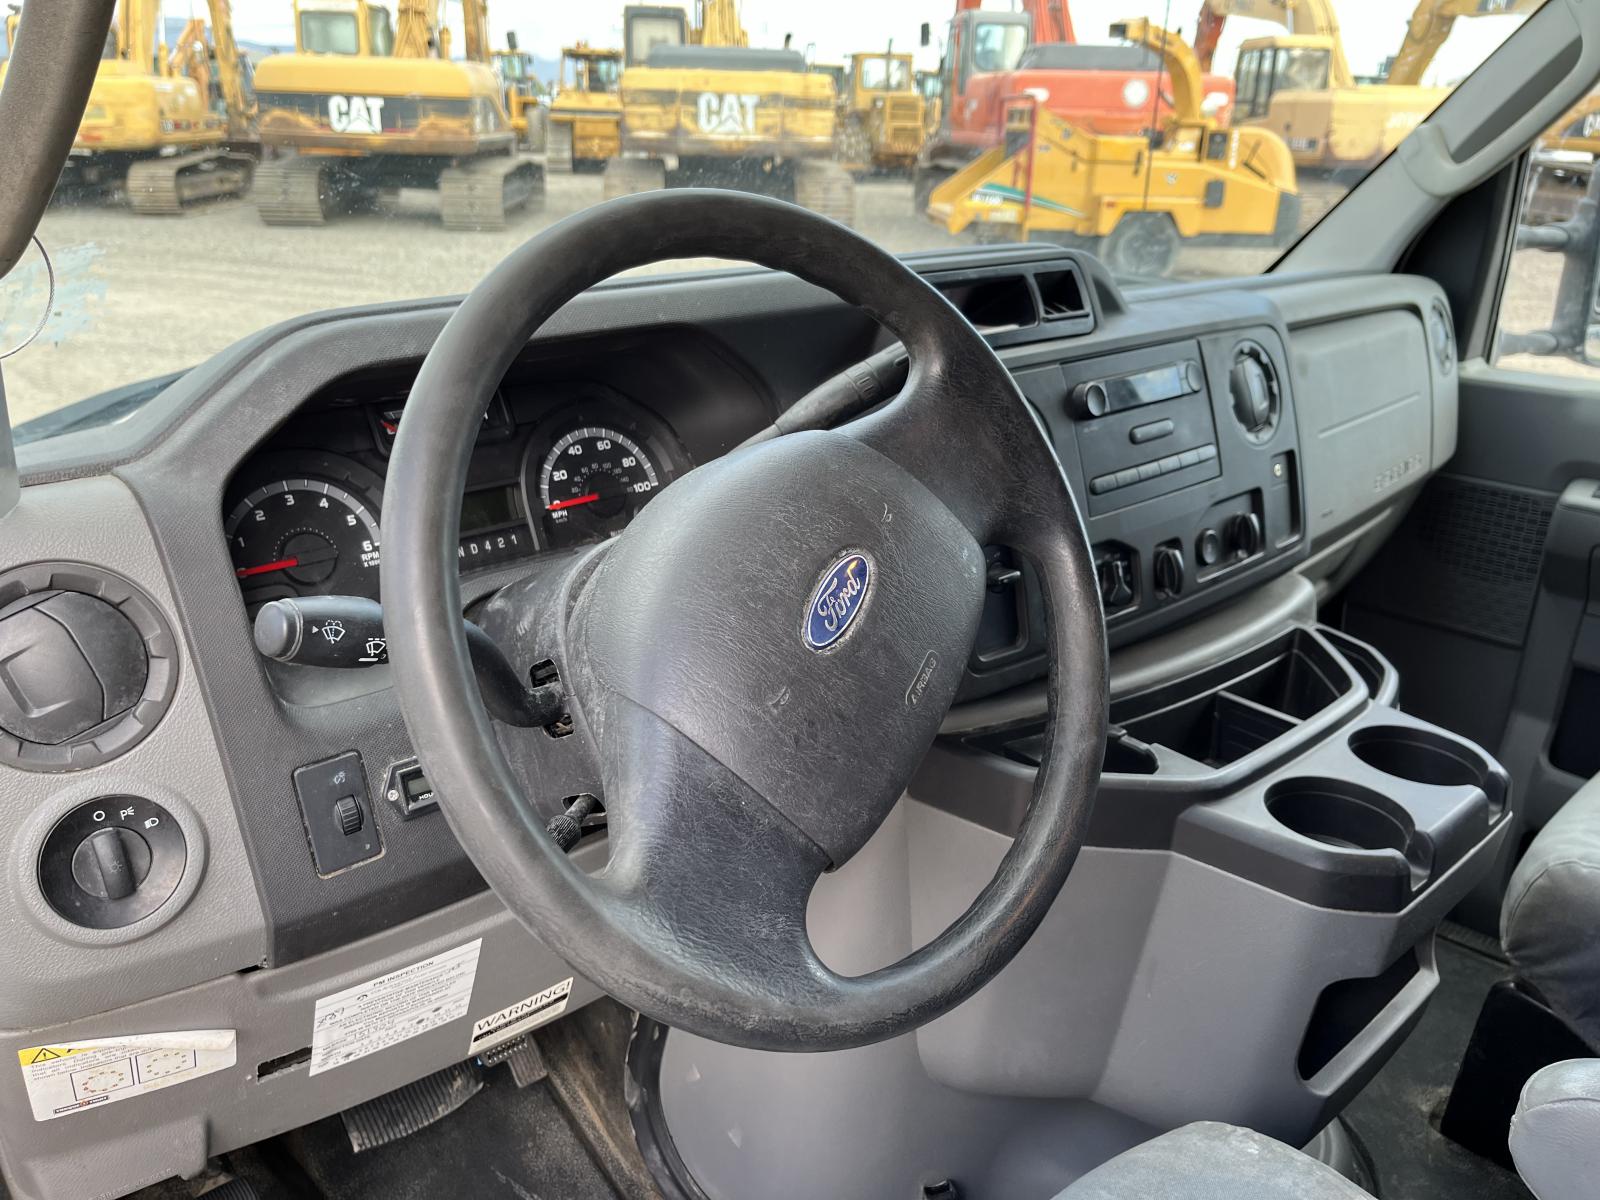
1142	244
629	176
826	188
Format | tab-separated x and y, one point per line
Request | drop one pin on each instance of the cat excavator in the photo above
151	130
1300	86
1133	199
364	107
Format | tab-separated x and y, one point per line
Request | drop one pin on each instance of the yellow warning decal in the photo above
72	1077
41	1054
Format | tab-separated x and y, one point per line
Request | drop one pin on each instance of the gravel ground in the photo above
141	296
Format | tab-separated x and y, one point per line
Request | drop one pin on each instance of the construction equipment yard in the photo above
228	276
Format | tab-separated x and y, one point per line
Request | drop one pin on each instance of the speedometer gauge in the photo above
594	480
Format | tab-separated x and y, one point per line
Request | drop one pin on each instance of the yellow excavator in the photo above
1134	201
364	107
1300	85
586	112
151	129
701	106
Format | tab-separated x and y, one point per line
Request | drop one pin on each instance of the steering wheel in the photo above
763	657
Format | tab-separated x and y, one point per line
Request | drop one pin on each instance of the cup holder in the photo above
1340	814
1419	756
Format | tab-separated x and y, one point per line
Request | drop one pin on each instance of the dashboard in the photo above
1219	441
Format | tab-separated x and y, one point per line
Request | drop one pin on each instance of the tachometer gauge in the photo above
304	536
594	480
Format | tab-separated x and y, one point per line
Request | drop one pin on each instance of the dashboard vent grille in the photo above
995	305
1061	294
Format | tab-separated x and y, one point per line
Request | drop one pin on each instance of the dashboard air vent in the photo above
1061	294
994	305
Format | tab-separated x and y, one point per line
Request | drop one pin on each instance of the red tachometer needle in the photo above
574	502
283	564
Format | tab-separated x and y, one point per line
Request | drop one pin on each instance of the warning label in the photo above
74	1076
382	1012
516	1019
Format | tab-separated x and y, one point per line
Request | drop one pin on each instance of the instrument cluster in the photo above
547	473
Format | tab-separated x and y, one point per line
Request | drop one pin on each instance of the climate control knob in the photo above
1244	534
1167	567
1208	547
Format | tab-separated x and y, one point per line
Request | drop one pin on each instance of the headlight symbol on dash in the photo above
837	601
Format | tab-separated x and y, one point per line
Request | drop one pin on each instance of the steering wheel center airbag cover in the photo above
700	612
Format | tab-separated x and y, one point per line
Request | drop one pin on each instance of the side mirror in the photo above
926	34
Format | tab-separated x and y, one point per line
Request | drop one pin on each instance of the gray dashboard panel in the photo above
1378	409
215	924
110	1150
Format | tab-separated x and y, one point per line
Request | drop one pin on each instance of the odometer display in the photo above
295	537
593	480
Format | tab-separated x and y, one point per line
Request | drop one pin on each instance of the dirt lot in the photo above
141	296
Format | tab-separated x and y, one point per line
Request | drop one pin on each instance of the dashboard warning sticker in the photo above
516	1019
72	1077
385	1011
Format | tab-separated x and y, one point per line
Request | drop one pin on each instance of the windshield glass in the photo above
359	162
885	74
329	33
646	31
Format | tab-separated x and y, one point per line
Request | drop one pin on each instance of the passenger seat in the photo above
1550	922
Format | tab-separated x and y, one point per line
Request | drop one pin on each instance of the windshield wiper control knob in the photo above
347	631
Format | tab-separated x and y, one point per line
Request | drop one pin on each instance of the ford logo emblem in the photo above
837	601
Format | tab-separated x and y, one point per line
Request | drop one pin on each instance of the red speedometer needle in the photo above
283	564
574	502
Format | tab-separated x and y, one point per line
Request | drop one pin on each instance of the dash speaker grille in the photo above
1465	558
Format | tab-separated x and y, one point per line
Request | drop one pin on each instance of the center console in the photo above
1183	450
1281	843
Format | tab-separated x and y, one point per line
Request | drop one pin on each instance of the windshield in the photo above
330	33
885	74
350	202
591	74
647	31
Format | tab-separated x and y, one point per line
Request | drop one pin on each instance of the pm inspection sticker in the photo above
516	1019
392	1008
72	1077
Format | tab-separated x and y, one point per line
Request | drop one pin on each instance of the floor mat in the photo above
503	1143
1396	1115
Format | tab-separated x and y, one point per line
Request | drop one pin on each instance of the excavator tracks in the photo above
290	191
163	186
479	194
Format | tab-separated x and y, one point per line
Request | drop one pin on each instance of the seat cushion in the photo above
1208	1161
1552	912
1555	1134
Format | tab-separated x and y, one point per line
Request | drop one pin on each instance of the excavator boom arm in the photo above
475	19
1430	26
1297	16
230	70
720	25
416	33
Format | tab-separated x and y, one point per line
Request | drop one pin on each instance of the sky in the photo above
1372	29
